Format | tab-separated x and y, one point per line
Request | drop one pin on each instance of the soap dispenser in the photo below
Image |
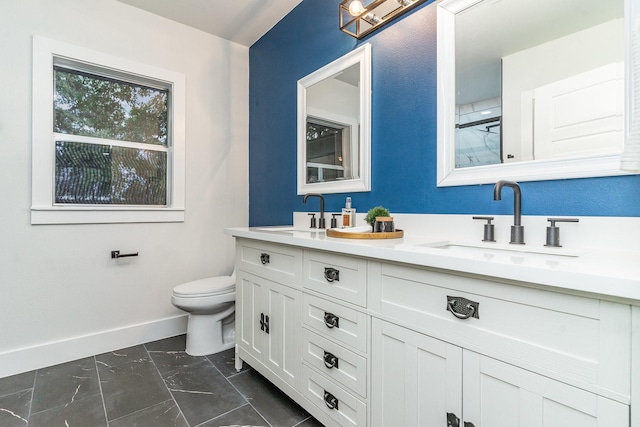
348	214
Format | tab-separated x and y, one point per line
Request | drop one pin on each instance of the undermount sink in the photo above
290	229
496	249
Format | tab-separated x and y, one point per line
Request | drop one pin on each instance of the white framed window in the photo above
108	138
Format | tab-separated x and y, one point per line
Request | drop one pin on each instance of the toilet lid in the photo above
206	287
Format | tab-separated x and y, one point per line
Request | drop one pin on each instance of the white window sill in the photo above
103	215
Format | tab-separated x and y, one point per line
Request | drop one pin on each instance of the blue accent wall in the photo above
403	169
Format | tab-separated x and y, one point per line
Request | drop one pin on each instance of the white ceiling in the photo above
241	21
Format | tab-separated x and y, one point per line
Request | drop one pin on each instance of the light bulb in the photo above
356	8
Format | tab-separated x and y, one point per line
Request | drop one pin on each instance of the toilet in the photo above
211	306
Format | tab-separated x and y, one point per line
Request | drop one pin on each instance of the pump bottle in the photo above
348	214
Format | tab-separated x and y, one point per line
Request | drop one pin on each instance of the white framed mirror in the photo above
334	126
530	91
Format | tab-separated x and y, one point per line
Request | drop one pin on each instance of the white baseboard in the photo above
53	353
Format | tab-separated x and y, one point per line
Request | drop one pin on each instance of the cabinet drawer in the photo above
269	260
335	321
340	405
567	337
340	276
336	362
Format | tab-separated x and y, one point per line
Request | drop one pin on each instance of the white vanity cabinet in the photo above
359	340
531	357
299	324
269	311
422	381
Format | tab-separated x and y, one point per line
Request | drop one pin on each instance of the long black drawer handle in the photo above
330	400
264	258
330	361
331	274
331	320
463	308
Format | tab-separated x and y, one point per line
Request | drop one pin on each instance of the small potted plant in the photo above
374	213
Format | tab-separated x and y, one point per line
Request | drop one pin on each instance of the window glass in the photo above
111	139
101	107
104	174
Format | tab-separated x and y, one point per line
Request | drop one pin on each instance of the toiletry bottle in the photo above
348	215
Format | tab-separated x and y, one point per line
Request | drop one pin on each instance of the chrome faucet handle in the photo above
313	220
553	232
489	235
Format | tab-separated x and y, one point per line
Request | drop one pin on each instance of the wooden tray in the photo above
342	235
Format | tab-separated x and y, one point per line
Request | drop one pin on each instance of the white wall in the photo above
339	98
589	49
61	295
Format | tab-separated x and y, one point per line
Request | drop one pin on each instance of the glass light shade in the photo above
361	17
356	8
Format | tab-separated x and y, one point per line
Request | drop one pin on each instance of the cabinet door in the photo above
283	347
497	394
269	319
250	291
415	379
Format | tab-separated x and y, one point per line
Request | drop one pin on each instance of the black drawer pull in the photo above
331	274
330	400
331	320
264	258
330	361
463	308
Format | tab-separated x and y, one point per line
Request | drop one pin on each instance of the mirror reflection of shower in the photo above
478	133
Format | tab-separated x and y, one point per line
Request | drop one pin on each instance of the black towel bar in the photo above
116	254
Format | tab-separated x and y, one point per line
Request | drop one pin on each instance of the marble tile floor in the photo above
151	385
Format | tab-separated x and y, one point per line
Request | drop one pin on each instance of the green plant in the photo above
374	212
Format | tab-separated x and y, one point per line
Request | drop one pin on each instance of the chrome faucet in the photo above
321	222
517	230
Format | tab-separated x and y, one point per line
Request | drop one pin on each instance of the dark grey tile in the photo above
165	414
16	383
202	392
225	362
14	409
244	416
275	406
118	357
62	384
167	361
83	412
310	422
131	387
177	343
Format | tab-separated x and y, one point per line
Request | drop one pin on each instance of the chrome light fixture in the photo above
360	17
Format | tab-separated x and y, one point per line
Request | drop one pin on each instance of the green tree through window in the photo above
112	140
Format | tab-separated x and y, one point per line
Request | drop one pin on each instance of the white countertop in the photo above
607	272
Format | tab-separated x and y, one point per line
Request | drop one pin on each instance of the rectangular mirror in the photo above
334	109
530	90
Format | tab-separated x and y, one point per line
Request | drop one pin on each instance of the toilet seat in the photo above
206	287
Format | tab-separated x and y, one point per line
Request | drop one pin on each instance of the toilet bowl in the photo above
211	306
